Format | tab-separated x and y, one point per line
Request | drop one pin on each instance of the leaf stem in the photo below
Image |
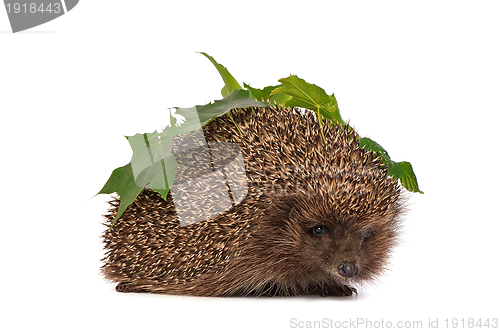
229	114
146	139
320	121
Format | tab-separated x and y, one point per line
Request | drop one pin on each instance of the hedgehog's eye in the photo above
318	230
366	236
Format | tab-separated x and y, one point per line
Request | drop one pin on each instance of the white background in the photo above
422	78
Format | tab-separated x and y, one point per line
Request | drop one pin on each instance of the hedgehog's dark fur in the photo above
266	244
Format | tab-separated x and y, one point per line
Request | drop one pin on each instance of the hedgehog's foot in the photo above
124	287
130	287
337	290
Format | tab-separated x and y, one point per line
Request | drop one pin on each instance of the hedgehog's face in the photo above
340	250
344	247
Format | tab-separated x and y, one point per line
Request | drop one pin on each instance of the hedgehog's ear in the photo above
293	213
283	212
288	205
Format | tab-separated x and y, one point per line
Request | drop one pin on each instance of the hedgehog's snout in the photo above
348	270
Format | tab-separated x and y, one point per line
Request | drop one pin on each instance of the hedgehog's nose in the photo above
348	269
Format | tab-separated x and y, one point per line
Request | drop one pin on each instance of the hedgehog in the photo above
305	211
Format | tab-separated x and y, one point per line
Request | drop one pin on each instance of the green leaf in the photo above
310	96
122	182
265	94
198	116
371	145
152	163
400	170
395	170
229	81
152	166
409	180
